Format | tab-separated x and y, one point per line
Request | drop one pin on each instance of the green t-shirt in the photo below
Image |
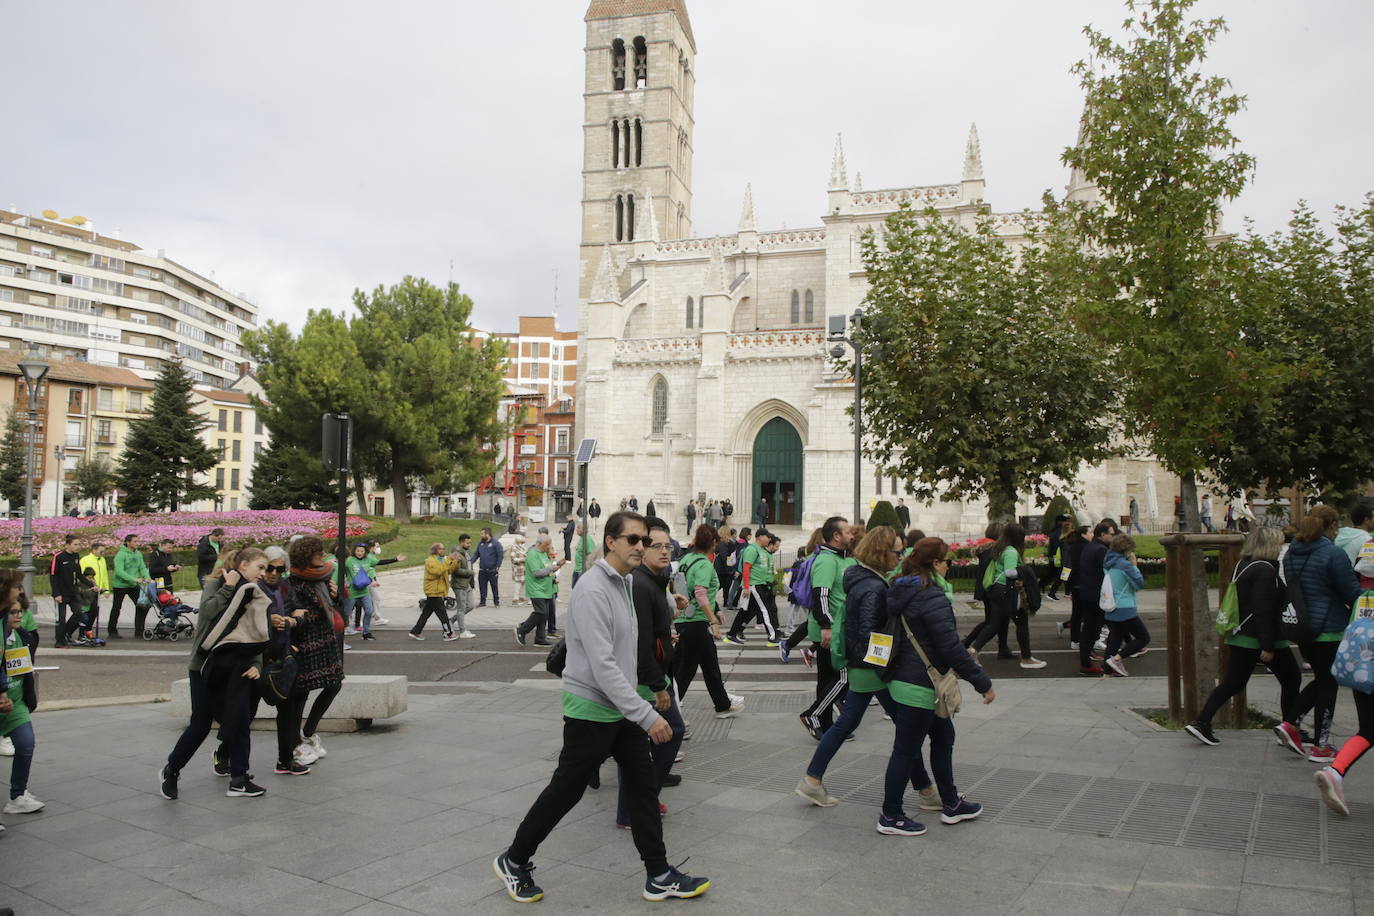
1250	642
909	694
827	571
865	680
760	563
582	553
698	569
996	573
351	567
576	707
20	713
538	586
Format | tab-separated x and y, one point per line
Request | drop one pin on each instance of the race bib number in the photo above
1364	606
879	650
1366	551
17	661
1064	574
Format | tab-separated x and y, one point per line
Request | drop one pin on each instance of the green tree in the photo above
975	381
422	394
1316	298
884	514
12	461
93	478
1156	145
1058	506
290	477
163	452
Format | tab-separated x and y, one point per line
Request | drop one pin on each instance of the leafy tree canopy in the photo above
287	476
976	382
93	478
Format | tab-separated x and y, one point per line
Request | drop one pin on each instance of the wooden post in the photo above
1172	631
1188	642
1230	556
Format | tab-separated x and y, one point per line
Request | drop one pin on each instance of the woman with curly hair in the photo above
319	657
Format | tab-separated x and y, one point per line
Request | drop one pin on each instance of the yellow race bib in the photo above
879	649
18	662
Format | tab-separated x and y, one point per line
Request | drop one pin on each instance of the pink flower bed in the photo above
184	528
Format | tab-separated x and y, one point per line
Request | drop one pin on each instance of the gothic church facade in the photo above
703	361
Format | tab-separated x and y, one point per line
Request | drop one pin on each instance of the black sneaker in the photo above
519	883
168	777
244	788
291	769
219	764
672	779
368	636
675	884
1202	732
113	635
519	636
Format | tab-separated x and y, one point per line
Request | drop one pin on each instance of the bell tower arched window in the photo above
618	64
615	144
660	408
795	313
641	63
691	312
619	218
629	217
810	313
639	144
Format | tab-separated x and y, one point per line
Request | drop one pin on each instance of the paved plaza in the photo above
1089	809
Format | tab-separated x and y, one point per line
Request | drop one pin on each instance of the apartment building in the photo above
237	434
541	398
83	413
78	295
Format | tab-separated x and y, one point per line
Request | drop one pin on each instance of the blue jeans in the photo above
912	725
368	608
23	759
941	736
851	714
663	755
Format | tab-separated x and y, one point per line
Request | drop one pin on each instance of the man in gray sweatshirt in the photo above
603	716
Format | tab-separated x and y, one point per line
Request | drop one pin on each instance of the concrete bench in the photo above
364	697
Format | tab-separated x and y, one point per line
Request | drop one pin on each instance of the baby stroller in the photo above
173	616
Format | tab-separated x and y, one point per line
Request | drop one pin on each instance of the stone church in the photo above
703	362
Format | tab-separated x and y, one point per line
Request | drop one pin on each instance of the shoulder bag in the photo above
948	696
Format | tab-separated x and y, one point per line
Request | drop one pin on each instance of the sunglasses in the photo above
276	569
634	540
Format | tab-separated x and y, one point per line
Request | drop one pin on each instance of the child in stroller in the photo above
173	616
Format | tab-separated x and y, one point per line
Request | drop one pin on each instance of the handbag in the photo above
361	579
948	696
278	678
557	659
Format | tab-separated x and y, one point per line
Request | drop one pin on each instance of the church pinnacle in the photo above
973	156
604	287
747	221
839	175
647	230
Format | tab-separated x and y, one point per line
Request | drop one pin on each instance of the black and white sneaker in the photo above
244	788
292	768
519	637
1202	732
518	880
168	779
675	884
219	764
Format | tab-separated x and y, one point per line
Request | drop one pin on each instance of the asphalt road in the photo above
128	668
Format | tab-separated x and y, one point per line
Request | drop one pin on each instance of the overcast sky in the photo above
302	149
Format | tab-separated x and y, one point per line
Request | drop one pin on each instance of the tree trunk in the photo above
1204	629
400	494
360	494
1002	501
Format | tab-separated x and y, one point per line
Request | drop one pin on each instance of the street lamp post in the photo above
837	334
60	453
34	369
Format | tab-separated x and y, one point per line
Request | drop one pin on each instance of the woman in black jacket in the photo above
928	616
865	610
1261	597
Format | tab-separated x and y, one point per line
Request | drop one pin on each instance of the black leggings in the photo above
1125	637
1319	696
317	711
798	636
1001	603
289	713
697	650
1240	665
433	607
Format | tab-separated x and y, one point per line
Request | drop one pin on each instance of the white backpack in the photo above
1106	598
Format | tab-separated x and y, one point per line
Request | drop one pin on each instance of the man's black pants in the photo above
487	577
586	745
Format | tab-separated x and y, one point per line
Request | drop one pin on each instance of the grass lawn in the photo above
414	539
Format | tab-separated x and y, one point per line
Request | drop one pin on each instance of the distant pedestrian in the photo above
162	564
1205	517
594	513
1127	635
518	552
903	514
1180	515
691	513
541	578
633	503
130	575
727	510
569	529
698	625
490	555
1003	593
460	580
207	555
583	553
761	513
438	568
1135	517
649	510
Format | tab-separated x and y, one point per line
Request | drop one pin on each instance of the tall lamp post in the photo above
35	370
837	334
60	453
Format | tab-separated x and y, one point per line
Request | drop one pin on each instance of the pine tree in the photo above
12	458
164	452
289	477
93	479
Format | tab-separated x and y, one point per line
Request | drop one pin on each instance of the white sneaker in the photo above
317	745
379	621
680	757
305	755
350	631
450	636
736	699
467	634
1032	663
6	747
734	710
24	804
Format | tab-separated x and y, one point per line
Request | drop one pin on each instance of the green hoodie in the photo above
129	567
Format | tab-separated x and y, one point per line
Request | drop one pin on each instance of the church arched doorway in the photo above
778	471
